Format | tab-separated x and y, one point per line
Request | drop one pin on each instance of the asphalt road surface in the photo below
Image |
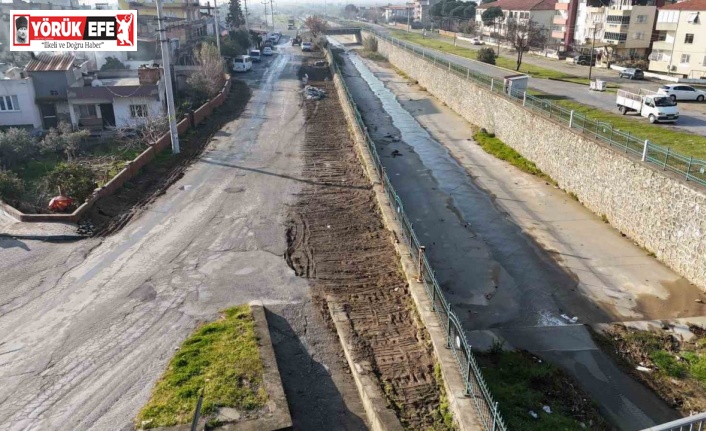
86	328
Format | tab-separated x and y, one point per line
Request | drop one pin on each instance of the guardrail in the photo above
455	336
688	167
691	423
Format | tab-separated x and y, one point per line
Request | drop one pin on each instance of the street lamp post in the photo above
167	67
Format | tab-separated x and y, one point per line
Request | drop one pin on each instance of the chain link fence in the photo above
456	340
688	167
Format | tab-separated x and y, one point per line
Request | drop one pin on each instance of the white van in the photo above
242	63
255	55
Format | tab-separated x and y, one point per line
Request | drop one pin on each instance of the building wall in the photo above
59	81
28	115
674	47
640	33
660	212
121	107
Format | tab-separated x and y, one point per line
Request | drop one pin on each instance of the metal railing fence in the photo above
456	340
688	167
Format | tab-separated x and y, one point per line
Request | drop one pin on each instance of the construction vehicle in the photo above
297	40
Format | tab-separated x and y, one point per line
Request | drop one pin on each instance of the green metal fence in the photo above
456	340
689	168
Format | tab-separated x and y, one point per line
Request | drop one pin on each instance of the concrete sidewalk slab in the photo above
44	231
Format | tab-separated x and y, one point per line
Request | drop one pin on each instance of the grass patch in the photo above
520	383
443	415
499	149
677	367
502	61
686	143
222	357
370	55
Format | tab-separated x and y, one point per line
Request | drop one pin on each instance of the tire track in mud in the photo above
337	239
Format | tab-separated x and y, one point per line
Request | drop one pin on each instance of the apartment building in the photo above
540	12
680	48
563	23
421	11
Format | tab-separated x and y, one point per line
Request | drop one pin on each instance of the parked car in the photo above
632	73
267	51
242	63
477	41
307	46
654	106
682	92
255	55
585	60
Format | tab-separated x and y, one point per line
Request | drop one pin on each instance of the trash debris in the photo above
570	319
395	153
547	409
643	369
320	63
313	93
533	414
60	203
305	78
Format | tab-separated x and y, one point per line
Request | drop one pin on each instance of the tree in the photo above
450	6
316	25
491	14
63	139
11	186
470	10
487	1
523	35
112	63
486	55
436	10
350	11
458	11
209	78
235	17
16	146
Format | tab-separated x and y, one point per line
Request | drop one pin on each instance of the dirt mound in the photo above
113	212
336	238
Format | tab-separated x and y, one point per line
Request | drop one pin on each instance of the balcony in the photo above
662	45
558	34
561	6
559	20
666	26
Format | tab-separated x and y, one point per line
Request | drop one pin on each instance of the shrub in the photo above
638	64
16	146
72	180
11	186
370	43
486	55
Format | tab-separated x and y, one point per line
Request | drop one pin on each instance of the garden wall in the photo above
131	169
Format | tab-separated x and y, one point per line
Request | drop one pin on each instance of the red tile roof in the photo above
48	62
521	5
687	5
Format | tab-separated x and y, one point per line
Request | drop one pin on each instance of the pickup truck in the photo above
655	107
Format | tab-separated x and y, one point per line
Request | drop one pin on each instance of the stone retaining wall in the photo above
657	210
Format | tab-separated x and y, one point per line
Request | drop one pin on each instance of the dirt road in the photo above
86	328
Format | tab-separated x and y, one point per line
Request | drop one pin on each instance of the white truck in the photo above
655	107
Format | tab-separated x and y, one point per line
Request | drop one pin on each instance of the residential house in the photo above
17	106
52	75
119	98
421	11
394	13
186	24
628	29
680	47
540	12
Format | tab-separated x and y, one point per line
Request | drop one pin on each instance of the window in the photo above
638	35
641	19
620	37
618	19
694	18
9	103
53	93
689	38
704	63
668	16
85	111
685	59
138	111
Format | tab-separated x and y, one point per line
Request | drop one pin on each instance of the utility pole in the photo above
497	33
167	65
272	10
407	6
218	26
247	26
265	3
593	48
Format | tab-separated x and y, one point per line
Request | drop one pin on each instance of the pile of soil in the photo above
113	212
337	239
632	348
